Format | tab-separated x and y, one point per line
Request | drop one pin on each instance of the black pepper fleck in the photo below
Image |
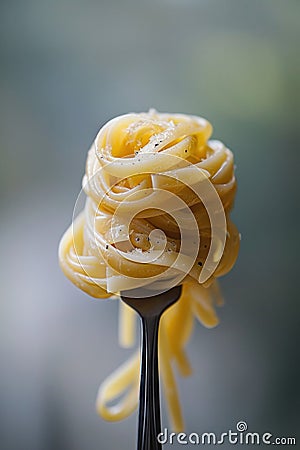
199	263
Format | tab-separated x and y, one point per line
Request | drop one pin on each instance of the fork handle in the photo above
149	408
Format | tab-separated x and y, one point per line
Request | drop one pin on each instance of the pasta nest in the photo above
158	198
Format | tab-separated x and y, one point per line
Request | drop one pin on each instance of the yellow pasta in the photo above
159	195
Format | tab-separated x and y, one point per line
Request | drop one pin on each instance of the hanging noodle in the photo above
159	194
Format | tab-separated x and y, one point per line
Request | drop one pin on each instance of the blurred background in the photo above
66	68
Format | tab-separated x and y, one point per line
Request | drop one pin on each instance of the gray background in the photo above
66	68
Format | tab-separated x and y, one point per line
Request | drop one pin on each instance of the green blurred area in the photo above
66	68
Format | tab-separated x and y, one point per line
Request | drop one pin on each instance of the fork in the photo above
150	307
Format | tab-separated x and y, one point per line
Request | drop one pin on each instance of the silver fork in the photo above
150	309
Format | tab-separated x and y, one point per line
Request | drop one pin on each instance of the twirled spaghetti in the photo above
159	194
